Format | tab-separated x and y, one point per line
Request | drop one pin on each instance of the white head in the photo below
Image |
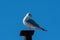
28	14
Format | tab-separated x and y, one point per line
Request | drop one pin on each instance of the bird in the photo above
29	22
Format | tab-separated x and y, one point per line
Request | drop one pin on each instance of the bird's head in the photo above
28	14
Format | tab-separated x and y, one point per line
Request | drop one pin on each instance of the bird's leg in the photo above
29	28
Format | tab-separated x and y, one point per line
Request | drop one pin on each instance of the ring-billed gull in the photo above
27	21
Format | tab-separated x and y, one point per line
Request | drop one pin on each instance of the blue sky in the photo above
45	12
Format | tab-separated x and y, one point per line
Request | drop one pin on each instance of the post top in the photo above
26	32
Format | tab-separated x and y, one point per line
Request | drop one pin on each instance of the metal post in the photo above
27	34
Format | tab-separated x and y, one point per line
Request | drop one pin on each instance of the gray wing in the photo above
30	21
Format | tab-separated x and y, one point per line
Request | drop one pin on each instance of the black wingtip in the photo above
45	30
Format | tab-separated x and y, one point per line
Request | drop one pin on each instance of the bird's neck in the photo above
26	18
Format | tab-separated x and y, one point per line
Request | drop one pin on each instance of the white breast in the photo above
25	19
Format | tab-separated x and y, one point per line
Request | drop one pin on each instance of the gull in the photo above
27	21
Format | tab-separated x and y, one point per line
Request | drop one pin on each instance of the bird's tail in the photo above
40	28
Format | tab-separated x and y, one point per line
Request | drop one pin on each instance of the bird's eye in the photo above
30	15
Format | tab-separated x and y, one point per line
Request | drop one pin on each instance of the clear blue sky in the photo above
45	12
